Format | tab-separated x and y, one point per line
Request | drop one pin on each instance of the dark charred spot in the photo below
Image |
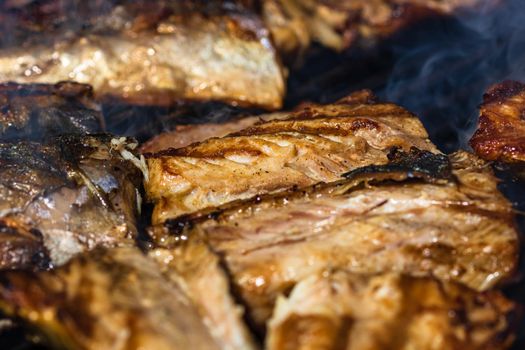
500	92
362	123
415	164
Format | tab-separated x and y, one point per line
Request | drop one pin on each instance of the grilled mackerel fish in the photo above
106	299
185	135
144	52
454	225
65	196
314	144
341	310
198	271
339	24
501	132
38	111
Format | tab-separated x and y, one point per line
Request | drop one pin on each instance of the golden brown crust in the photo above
146	52
501	132
314	144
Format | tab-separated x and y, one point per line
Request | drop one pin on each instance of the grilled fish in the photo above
145	52
501	132
316	143
75	191
340	310
37	111
106	299
455	225
199	273
185	135
338	24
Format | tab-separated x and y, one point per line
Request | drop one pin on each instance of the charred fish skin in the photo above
151	53
76	191
314	144
341	310
107	298
39	111
456	227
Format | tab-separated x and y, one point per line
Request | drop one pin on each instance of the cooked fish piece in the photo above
106	299
337	24
185	135
340	310
37	111
21	247
455	225
501	132
145	52
76	191
198	272
316	143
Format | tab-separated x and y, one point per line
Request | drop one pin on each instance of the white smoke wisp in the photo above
442	78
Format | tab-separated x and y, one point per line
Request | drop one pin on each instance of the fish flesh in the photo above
143	52
341	310
500	135
317	143
340	24
105	299
67	195
422	214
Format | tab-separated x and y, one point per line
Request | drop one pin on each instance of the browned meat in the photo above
77	192
501	132
107	299
337	24
316	143
144	52
37	111
185	135
455	226
199	273
340	310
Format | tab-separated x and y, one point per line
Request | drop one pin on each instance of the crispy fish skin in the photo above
106	299
77	191
457	228
501	131
341	310
155	53
315	144
37	111
198	271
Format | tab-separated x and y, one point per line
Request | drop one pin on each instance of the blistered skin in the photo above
340	310
456	228
155	53
107	299
76	192
501	132
314	144
35	111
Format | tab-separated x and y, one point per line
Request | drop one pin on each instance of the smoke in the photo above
442	75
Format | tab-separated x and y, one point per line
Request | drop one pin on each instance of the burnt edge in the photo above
416	163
